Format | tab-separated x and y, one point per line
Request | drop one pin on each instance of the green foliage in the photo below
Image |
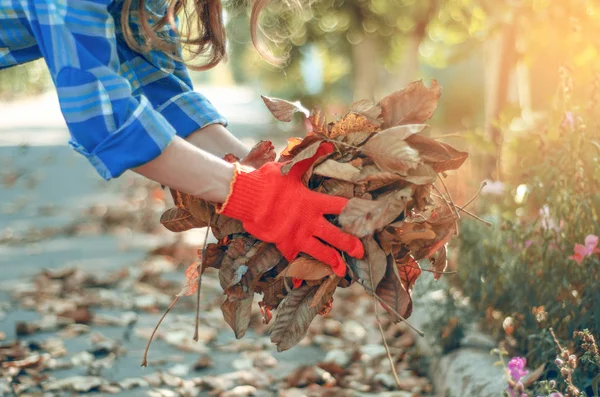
521	268
31	78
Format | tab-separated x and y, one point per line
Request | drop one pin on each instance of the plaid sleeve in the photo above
164	81
113	128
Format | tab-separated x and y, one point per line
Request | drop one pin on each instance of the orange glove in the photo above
279	209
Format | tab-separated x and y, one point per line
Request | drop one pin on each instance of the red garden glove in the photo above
279	209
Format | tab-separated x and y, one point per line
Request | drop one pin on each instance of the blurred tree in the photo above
367	48
28	79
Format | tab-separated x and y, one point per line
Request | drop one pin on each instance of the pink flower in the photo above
569	120
583	251
528	243
516	368
591	242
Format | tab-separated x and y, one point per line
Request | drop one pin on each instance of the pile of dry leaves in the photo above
387	166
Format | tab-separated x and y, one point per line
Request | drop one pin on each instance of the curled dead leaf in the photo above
364	217
352	122
333	169
318	121
303	155
442	157
284	110
391	153
414	104
263	152
369	110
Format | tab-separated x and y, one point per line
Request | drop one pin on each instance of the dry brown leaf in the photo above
335	187
237	315
414	104
368	109
179	220
273	291
294	316
440	156
333	169
439	262
390	152
364	217
425	249
424	174
201	210
372	173
191	280
373	264
284	110
266	257
327	287
354	139
303	155
409	271
352	122
318	121
261	153
233	266
392	291
231	158
291	144
305	268
224	226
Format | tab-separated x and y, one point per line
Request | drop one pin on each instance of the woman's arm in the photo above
217	140
186	168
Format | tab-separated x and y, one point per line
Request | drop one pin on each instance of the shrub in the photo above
533	271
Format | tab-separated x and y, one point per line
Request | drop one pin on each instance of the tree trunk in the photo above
500	54
407	72
365	79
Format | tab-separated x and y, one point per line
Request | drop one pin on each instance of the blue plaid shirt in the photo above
122	108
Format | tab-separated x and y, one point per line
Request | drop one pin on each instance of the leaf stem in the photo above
145	359
387	348
418	331
484	184
452	210
200	270
432	270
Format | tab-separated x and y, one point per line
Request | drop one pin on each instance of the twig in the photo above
200	270
452	210
449	195
475	216
466	212
446	136
418	331
432	271
387	348
145	359
484	184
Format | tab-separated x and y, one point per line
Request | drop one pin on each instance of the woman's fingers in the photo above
327	255
331	234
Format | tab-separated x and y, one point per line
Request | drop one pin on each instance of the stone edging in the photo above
465	372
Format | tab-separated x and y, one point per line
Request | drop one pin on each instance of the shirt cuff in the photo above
189	112
140	139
